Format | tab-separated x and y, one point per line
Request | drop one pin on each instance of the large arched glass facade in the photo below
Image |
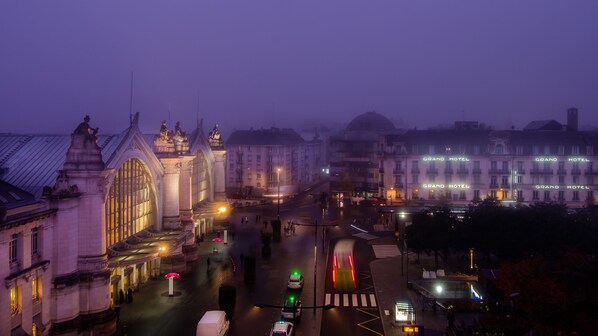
130	206
200	179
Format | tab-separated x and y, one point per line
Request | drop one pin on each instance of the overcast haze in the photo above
255	63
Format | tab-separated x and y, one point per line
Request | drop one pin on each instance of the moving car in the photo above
213	323
291	305
343	266
282	328
296	281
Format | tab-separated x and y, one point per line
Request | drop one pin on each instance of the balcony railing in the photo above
505	185
432	171
415	170
493	185
398	171
561	171
462	171
541	171
476	170
575	171
591	172
448	170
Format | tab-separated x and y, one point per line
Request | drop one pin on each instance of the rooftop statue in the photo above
181	143
214	137
89	133
164	134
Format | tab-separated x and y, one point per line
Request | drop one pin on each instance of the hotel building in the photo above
544	162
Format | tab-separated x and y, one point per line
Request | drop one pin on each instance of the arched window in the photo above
130	206
200	181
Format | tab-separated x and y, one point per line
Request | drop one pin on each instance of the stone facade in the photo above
78	245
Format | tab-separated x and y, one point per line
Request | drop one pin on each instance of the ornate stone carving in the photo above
214	138
88	133
84	154
61	188
181	143
171	142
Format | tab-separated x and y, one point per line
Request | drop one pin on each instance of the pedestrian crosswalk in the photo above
351	300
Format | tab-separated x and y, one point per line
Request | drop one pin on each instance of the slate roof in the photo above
31	162
265	137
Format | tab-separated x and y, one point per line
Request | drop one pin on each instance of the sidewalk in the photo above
390	286
139	317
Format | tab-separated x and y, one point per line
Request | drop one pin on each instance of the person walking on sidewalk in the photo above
208	262
117	312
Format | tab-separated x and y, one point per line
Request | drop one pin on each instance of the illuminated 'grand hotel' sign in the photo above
555	159
445	186
557	187
442	158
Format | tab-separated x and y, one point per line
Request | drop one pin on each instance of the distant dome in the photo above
371	121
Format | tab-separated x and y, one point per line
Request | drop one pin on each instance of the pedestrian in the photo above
121	297
451	318
130	295
257	218
208	262
117	311
434	306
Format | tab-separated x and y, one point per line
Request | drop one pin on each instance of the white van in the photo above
213	323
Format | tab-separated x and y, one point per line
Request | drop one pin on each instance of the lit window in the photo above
131	202
14	301
36	288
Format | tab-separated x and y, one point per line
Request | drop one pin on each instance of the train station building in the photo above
87	216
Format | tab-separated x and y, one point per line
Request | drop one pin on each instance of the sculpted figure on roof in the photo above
214	138
181	143
89	133
164	133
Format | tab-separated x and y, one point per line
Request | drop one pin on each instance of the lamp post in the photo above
278	193
324	226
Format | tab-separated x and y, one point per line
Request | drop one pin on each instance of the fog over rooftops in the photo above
371	121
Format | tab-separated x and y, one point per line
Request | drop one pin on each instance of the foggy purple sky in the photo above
276	62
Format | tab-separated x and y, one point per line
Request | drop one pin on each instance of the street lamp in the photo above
278	194
324	226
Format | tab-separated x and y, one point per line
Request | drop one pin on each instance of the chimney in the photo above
572	119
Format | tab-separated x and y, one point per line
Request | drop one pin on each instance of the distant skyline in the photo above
265	63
